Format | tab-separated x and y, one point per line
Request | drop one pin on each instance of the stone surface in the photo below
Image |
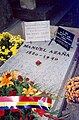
14	29
53	70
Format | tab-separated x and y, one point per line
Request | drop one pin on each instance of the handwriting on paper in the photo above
37	31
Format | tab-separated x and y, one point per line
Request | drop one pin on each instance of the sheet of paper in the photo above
37	31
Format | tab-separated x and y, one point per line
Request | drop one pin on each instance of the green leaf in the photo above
36	86
53	112
36	118
8	90
19	90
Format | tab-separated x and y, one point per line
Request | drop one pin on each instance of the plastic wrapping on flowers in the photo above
22	99
9	45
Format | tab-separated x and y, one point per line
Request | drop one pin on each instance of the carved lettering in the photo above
55	52
51	51
59	53
44	56
35	48
64	53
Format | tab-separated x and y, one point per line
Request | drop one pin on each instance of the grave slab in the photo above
56	62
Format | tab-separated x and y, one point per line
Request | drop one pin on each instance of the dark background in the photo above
59	12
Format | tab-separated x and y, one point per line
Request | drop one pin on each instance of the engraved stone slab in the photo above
55	63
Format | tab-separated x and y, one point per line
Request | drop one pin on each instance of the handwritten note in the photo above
37	31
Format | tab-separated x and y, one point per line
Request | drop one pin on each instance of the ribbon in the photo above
8	102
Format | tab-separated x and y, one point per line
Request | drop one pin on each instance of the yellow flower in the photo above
3	47
2	53
14	49
2	59
6	52
1	37
8	56
37	93
13	42
30	91
6	34
11	39
18	39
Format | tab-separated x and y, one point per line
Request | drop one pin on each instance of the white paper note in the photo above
37	31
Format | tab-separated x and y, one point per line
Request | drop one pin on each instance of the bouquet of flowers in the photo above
72	90
9	45
22	99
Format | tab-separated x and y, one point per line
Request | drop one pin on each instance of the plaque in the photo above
64	38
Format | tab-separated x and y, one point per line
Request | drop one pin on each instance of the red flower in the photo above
48	115
20	118
31	82
41	112
27	115
26	119
38	62
13	93
15	110
44	92
8	75
20	78
31	117
27	79
2	113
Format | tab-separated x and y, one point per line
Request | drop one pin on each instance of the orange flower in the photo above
15	73
7	77
30	91
37	93
6	80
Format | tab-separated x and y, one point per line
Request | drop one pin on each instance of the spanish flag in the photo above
8	102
